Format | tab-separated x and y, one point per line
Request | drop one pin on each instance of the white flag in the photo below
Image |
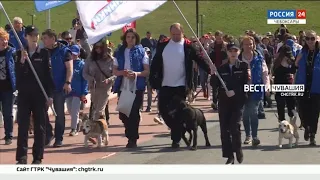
1	6
102	17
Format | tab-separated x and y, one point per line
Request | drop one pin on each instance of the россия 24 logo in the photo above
104	12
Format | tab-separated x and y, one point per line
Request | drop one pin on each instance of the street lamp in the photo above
201	22
32	17
197	16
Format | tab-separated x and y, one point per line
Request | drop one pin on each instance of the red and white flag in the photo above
132	25
102	17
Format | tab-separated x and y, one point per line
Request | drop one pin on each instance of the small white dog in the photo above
98	129
289	130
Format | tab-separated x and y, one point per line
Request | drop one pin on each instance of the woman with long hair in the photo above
259	75
98	72
131	63
307	73
283	71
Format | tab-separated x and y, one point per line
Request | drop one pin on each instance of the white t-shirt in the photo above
128	67
174	70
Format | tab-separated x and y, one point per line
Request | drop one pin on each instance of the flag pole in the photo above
28	59
212	66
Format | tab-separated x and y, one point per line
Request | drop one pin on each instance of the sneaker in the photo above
255	141
312	140
158	120
131	144
36	162
262	116
48	141
22	161
214	106
73	132
8	141
57	144
248	140
175	145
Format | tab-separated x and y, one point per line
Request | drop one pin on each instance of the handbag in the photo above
127	98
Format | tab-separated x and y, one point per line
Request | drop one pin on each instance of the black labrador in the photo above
191	118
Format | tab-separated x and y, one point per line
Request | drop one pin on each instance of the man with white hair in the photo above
19	28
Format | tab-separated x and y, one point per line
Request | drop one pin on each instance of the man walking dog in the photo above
172	74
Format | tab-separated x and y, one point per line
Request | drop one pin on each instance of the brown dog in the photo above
97	129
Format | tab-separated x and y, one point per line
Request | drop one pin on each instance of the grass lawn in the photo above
232	17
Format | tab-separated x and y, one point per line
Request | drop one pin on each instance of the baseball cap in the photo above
269	34
232	45
75	49
31	30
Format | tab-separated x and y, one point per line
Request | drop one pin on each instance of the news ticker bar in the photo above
286	21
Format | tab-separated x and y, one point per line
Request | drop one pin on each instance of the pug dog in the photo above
97	129
289	130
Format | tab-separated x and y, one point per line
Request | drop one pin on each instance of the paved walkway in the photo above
73	151
155	140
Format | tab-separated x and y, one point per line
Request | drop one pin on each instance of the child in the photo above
79	91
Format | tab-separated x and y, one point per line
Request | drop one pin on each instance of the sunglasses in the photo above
310	38
68	38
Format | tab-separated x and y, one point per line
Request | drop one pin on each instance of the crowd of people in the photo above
69	68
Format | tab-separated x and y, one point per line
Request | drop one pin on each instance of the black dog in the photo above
191	118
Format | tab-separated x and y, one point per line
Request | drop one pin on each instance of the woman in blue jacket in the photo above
79	90
308	63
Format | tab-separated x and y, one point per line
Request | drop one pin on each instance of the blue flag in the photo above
43	5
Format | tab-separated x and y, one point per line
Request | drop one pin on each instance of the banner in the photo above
42	5
102	17
129	26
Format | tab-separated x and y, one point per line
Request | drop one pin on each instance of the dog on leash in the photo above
97	129
289	130
191	118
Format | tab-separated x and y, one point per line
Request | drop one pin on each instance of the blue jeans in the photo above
73	105
261	108
149	94
6	99
60	122
203	78
250	118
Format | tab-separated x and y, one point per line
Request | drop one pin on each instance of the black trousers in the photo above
132	122
195	80
282	102
230	122
165	97
35	103
214	90
309	109
106	111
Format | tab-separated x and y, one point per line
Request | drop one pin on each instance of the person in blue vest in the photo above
7	83
20	29
131	61
79	90
259	75
62	71
308	72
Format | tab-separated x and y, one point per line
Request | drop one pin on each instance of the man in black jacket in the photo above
31	98
172	74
